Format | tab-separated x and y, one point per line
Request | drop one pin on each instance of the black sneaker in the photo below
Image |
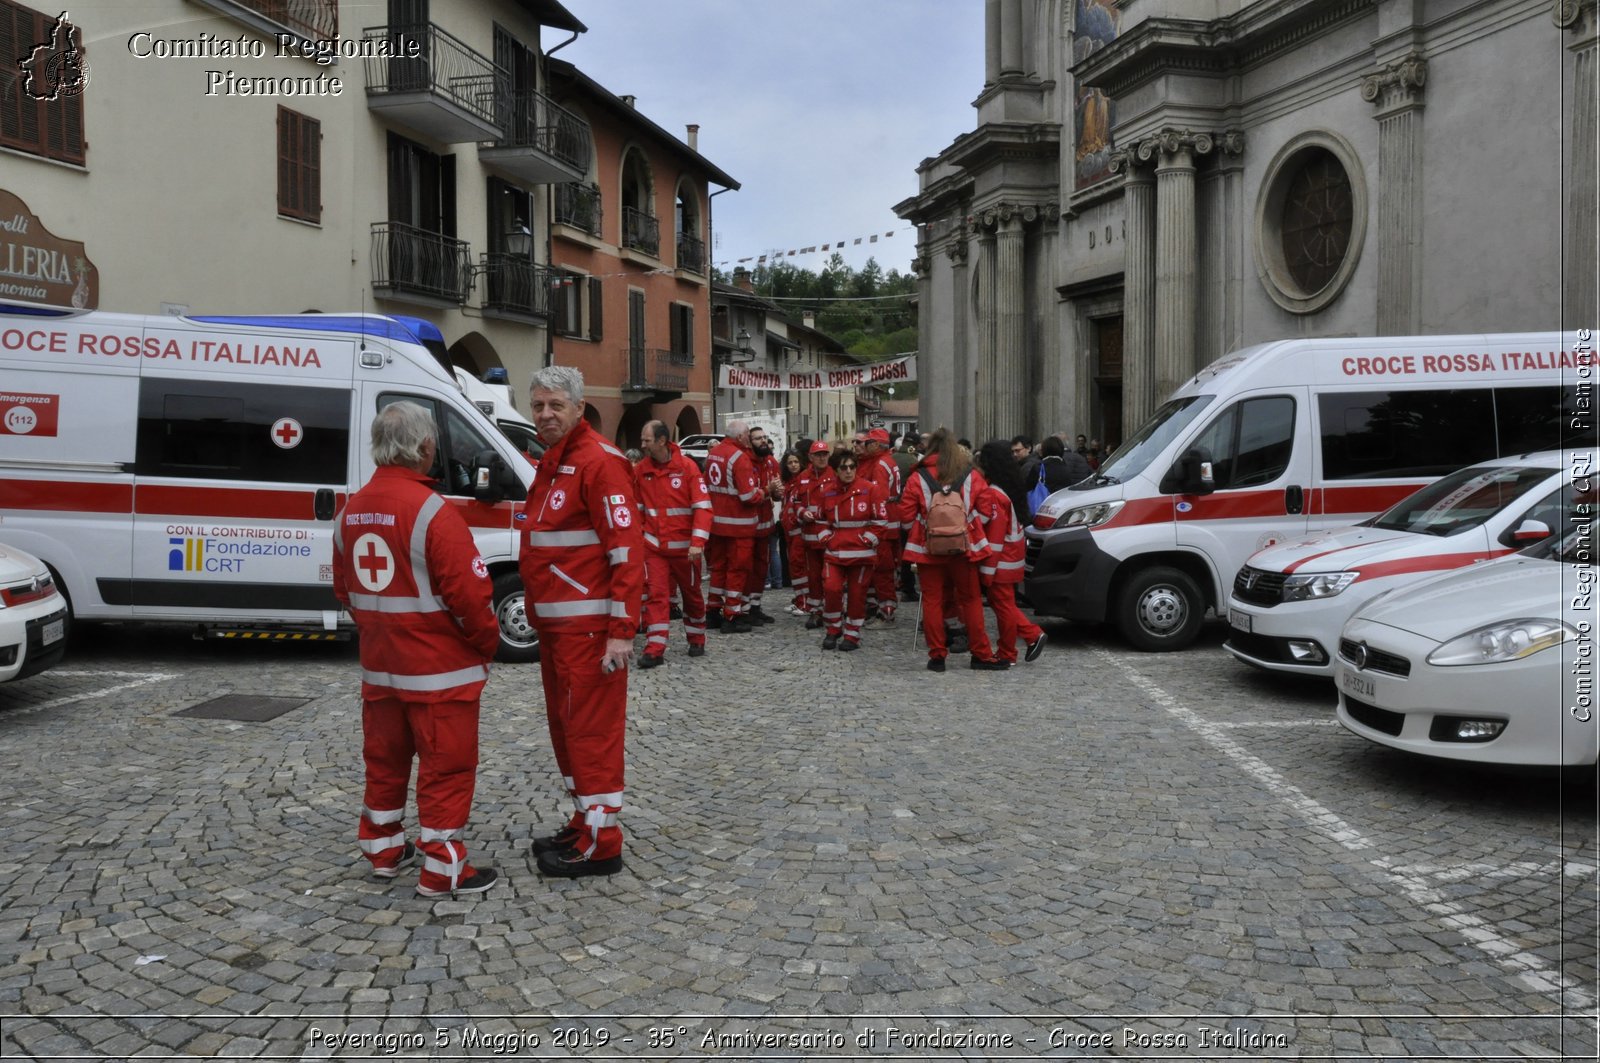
737	626
714	621
849	644
674	613
565	838
1035	648
756	616
831	642
481	879
571	863
935	664
408	856
978	664
697	651
650	660
958	644
814	623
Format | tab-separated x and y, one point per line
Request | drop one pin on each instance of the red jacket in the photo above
854	520
406	567
794	493
913	509
582	558
881	470
998	546
817	487
737	494
677	506
767	470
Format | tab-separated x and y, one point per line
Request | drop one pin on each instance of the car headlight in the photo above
1316	585
1509	640
1090	516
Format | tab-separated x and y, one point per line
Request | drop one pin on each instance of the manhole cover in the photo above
250	708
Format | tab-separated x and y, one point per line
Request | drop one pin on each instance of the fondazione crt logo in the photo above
55	69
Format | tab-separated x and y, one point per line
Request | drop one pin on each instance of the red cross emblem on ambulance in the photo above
287	433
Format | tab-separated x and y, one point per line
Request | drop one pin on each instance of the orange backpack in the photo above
946	518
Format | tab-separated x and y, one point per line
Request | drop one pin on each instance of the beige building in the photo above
255	156
1153	183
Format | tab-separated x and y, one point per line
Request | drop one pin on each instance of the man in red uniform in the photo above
820	483
877	467
582	569
677	526
406	567
736	495
768	476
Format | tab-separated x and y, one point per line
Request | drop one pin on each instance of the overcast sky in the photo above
820	109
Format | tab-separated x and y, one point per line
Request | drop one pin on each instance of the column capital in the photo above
1009	214
1575	15
1398	85
1170	143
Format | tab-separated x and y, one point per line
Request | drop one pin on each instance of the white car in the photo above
699	445
1290	601
33	616
1494	663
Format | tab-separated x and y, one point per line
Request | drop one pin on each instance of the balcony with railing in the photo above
541	142
431	83
641	231
578	206
309	20
415	265
517	286
657	375
691	253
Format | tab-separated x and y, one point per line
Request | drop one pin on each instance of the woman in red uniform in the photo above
1000	555
855	519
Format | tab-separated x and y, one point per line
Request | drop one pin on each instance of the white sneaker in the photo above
795	610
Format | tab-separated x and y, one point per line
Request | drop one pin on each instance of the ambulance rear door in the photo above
244	453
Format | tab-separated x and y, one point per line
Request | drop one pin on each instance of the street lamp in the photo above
519	241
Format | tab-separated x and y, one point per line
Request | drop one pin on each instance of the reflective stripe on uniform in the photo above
618	556
436	681
564	538
378	603
574	584
374	846
587	607
383	817
438	834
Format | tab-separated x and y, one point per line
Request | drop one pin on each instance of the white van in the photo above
189	469
493	396
1290	601
1277	440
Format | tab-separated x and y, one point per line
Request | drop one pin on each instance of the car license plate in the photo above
53	631
1239	619
1359	685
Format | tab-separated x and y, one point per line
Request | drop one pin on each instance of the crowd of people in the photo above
615	545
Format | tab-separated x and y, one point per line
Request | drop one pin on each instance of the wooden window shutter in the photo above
595	315
299	166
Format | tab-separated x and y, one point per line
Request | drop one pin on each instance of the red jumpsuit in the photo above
406	567
677	515
854	521
794	494
881	470
810	529
943	576
1000	558
767	470
582	568
736	495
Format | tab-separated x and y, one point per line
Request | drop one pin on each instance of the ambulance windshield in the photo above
1148	442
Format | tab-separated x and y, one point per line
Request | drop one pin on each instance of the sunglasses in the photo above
846	467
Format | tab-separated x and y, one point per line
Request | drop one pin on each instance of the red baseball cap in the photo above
820	447
878	435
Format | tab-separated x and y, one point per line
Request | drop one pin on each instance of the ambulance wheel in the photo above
1160	609
519	642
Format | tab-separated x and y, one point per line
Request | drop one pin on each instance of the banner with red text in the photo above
896	371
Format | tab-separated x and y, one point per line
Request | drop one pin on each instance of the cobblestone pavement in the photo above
1101	853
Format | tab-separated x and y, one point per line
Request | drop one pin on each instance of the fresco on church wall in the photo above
1096	26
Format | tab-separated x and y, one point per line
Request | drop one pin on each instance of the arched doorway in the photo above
688	422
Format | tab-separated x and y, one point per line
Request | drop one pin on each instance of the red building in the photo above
629	245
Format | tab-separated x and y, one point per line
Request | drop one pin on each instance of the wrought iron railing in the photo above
641	231
408	259
432	61
653	369
691	253
315	20
533	120
578	205
516	284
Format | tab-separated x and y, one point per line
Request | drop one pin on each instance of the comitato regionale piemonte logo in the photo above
55	68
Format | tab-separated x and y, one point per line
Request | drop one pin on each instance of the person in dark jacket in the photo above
1062	467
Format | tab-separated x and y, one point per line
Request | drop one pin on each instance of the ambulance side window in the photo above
1381	434
460	443
1250	442
197	429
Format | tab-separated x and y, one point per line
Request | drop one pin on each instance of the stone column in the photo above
1174	265
961	406
1009	384
1138	293
1397	92
991	42
1011	54
1580	267
982	426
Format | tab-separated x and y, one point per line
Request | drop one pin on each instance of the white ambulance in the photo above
1290	601
189	469
1281	439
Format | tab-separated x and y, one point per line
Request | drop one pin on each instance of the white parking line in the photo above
1234	725
141	679
1526	967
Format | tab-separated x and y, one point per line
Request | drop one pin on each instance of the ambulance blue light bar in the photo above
412	329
